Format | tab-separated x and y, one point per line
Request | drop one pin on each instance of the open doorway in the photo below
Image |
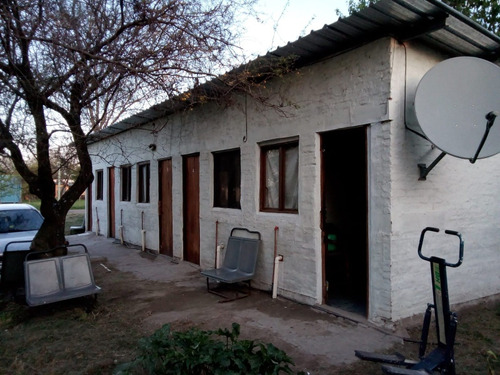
344	219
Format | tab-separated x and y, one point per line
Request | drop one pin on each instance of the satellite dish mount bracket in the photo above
490	117
424	169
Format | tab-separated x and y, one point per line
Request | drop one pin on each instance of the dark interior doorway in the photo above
344	219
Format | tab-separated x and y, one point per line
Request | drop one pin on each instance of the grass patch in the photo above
78	205
74	217
70	337
35	204
477	344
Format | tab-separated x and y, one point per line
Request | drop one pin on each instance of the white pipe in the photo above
217	254
122	240
218	250
120	228
97	230
143	232
277	261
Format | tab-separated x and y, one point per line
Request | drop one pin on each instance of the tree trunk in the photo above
51	233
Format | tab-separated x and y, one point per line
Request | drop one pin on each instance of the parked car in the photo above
18	222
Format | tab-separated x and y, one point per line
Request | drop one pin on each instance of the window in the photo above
227	177
99	186
126	182
279	190
143	172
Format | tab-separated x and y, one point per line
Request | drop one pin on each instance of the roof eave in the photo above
431	21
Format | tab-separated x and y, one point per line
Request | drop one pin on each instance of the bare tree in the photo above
68	67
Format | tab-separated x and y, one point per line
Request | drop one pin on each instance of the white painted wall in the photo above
362	87
457	195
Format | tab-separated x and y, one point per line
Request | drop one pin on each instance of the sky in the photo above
284	21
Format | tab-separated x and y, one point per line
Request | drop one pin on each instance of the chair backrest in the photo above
59	278
42	278
241	251
241	254
232	254
249	249
77	271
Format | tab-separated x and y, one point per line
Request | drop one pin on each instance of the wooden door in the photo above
191	203
111	202
165	207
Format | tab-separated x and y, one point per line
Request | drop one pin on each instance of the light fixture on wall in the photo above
152	147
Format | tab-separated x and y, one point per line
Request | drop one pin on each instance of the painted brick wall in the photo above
457	195
362	87
348	90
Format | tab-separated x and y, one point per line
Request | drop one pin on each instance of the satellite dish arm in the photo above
491	120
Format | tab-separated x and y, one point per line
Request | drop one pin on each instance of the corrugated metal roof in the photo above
429	21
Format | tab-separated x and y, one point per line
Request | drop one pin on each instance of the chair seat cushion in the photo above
227	275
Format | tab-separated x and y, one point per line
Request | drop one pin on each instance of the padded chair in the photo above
240	262
55	279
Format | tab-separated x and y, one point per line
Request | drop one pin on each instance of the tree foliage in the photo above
485	12
68	67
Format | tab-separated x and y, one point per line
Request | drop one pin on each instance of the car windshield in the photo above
19	220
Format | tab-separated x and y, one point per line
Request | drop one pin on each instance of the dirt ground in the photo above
73	337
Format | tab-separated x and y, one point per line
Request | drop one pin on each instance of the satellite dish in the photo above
456	104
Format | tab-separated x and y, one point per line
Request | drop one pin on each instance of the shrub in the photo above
198	352
493	360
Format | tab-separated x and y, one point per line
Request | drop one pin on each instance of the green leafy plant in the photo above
198	352
493	360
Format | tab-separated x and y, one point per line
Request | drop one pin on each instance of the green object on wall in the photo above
332	239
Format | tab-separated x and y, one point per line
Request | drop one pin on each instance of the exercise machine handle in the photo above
450	232
460	248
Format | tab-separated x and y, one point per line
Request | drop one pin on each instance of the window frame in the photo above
143	182
99	185
223	161
126	183
282	147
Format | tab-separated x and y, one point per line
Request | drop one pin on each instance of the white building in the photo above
348	213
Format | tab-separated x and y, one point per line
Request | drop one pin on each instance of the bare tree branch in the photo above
71	67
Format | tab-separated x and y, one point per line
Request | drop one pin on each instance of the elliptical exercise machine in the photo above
442	358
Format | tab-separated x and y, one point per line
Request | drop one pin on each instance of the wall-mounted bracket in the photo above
424	169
